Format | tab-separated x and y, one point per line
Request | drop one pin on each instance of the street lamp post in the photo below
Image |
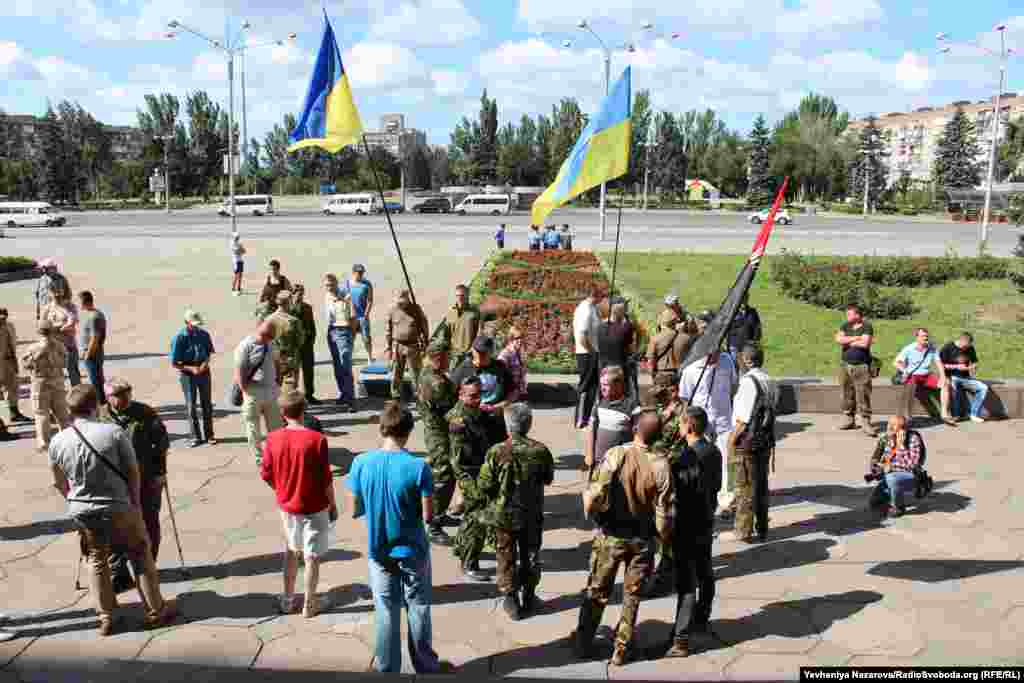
230	48
167	171
867	178
1002	57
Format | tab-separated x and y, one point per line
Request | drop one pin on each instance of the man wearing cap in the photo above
407	333
632	499
360	291
673	315
191	350
436	397
461	325
289	336
9	368
665	353
497	386
150	440
45	360
274	284
51	285
304	312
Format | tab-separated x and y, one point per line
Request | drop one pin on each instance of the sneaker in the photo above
898	511
680	648
7	436
621	656
473	573
950	422
311	608
195	444
977	418
168	613
870	430
287	604
7	635
439	536
511	607
106	627
849	424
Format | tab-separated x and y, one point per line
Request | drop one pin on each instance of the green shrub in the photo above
11	264
834	285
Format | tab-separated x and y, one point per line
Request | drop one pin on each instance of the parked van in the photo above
258	204
361	204
493	204
30	214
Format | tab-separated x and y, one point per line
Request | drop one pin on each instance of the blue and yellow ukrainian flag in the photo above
329	119
601	153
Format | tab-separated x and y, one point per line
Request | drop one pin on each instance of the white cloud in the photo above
814	16
449	82
380	66
426	23
16	64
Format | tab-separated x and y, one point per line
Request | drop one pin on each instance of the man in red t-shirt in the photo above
295	465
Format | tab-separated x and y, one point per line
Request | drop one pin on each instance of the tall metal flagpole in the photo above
615	257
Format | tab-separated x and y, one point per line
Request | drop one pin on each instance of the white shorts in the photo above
308	534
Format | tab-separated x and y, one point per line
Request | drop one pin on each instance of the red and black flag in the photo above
715	332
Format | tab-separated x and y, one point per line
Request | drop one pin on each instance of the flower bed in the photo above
538	293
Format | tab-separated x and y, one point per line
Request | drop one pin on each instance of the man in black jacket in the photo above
697	477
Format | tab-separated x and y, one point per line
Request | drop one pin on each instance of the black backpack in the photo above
923	482
760	433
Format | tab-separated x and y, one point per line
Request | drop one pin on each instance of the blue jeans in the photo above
71	365
94	368
396	584
339	341
197	388
977	400
892	488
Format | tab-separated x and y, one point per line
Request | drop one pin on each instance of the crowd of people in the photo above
659	468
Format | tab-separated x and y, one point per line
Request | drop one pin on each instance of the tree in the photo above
461	153
541	153
207	140
641	116
1010	158
956	159
869	164
668	159
761	187
485	154
807	146
567	121
52	157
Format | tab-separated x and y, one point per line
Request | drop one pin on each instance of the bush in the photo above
12	264
1017	272
904	271
835	285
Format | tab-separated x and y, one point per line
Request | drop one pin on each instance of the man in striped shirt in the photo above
613	426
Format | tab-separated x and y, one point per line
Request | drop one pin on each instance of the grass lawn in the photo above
798	337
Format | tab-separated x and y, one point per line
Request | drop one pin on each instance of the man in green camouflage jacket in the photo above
513	479
469	445
670	443
436	397
289	336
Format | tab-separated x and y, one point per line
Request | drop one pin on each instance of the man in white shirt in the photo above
585	323
748	459
713	394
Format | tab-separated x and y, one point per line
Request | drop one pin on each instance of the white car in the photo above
781	217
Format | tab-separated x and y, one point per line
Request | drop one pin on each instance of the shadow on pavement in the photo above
771	557
934	571
179	411
134	356
25	532
256	565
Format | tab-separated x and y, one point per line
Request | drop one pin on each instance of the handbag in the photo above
235	395
899	378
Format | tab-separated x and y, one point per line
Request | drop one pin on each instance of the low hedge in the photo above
904	271
835	285
12	264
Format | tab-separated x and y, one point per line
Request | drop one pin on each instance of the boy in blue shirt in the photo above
361	291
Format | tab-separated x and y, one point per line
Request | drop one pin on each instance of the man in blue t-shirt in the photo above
191	349
551	238
361	291
393	489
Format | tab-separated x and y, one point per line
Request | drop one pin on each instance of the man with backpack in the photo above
752	445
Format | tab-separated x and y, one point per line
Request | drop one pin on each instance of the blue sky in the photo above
430	59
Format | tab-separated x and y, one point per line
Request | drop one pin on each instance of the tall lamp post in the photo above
1002	57
230	47
167	171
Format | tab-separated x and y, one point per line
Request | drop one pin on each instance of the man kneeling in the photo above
295	465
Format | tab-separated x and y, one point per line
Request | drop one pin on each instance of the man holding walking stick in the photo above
150	440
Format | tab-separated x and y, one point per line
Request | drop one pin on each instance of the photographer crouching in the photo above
897	465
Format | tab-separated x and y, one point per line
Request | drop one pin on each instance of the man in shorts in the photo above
237	262
361	292
295	465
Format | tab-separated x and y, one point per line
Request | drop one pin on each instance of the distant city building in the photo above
126	142
395	137
912	138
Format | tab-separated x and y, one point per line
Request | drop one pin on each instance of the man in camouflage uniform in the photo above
469	445
45	360
673	315
407	332
437	396
513	479
666	351
461	326
151	443
289	336
632	499
52	285
304	312
9	368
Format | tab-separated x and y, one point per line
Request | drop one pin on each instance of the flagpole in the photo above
387	214
615	257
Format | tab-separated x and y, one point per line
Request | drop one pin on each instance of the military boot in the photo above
621	656
680	648
471	570
530	602
439	536
512	607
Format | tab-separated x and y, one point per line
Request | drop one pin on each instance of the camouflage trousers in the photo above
518	554
288	380
608	552
751	483
405	356
49	397
472	537
441	469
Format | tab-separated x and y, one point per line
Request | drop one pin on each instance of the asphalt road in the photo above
657	230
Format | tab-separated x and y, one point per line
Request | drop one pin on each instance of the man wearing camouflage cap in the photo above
45	360
436	397
151	442
289	335
673	315
50	286
407	330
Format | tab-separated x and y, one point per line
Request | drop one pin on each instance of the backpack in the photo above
759	434
923	482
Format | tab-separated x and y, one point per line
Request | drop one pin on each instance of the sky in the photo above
431	59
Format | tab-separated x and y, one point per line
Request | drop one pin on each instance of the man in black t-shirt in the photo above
960	361
745	329
497	388
855	338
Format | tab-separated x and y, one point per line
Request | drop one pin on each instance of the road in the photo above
661	230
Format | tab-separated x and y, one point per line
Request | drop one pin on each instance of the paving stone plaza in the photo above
941	585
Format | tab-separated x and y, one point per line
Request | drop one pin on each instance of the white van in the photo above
30	214
257	204
362	204
493	204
